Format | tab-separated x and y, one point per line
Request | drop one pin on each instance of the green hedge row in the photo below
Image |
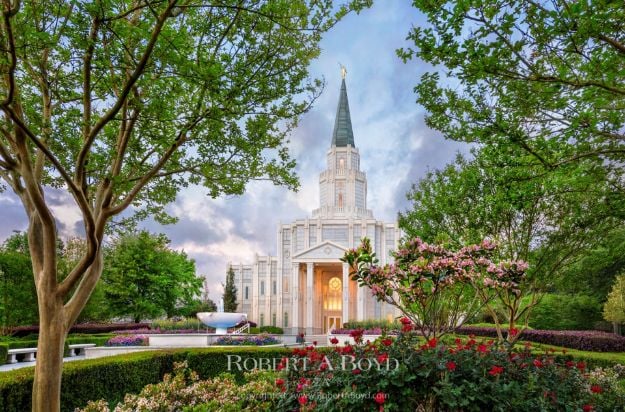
111	378
274	330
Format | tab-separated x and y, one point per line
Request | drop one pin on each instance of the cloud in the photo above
396	150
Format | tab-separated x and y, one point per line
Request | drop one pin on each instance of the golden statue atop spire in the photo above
343	71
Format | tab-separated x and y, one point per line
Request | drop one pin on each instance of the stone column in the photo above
346	299
309	297
295	301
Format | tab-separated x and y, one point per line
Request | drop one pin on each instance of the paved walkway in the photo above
19	365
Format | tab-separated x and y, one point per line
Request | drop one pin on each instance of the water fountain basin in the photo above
221	321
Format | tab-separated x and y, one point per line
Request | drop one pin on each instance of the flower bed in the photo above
595	341
258	340
401	373
128	340
82	328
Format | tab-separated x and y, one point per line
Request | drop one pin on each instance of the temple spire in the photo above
343	134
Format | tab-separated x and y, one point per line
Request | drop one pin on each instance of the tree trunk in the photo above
50	348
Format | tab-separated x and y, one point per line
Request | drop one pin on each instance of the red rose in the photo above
387	342
382	357
451	366
432	343
587	408
482	348
334	341
405	321
495	370
279	382
380	398
596	389
581	366
569	364
302	400
356	371
513	332
538	363
323	366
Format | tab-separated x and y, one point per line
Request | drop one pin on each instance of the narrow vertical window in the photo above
275	287
262	288
262	319
286	319
247	292
273	320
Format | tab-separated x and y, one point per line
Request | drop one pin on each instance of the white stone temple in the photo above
306	288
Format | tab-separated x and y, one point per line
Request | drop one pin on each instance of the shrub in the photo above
566	312
467	375
271	329
583	340
111	378
171	325
184	390
259	340
128	340
3	353
372	324
81	328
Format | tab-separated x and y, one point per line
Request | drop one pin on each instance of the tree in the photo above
123	103
230	293
614	308
144	279
18	297
542	76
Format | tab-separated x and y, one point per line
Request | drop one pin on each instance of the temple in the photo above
306	288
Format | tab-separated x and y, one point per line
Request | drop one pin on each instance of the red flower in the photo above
451	366
302	400
587	408
495	370
387	342
581	366
356	371
382	357
538	363
482	348
334	341
405	321
596	389
513	332
323	366
432	343
569	364
380	398
314	343
279	382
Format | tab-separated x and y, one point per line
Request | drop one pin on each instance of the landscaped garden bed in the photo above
258	340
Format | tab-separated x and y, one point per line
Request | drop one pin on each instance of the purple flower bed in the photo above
374	331
258	340
128	340
589	340
82	328
158	331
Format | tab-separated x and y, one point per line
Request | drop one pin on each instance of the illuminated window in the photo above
333	299
341	163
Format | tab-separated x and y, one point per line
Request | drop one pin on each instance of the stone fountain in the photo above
221	320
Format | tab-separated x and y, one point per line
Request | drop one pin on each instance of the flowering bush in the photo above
399	373
374	331
184	391
595	341
437	289
258	340
128	340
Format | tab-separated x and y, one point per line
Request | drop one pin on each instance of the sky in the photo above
396	149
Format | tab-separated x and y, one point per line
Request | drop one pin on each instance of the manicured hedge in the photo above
111	378
83	328
595	341
267	329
